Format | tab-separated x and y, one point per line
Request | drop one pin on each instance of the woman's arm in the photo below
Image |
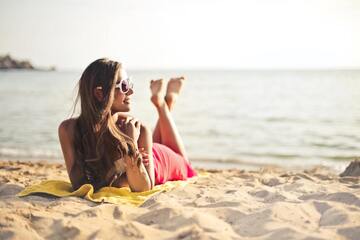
145	144
138	176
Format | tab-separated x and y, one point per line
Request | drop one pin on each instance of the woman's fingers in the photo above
135	122
145	162
143	151
132	120
144	154
145	157
127	120
131	127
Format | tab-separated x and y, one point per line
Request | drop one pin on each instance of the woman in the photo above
105	146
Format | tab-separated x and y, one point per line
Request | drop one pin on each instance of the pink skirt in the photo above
170	166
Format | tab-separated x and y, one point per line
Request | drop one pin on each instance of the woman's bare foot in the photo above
157	92
173	89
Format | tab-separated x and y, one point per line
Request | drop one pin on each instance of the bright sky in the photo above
165	34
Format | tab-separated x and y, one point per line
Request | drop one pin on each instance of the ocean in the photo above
226	118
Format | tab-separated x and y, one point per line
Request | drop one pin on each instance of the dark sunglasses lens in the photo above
124	86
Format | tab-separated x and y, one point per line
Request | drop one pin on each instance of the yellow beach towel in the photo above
106	194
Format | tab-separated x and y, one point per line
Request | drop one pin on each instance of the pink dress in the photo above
170	166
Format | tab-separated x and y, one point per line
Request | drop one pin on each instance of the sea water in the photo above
226	118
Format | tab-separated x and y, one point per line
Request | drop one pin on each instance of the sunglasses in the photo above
124	85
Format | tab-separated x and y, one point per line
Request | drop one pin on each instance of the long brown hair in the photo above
98	141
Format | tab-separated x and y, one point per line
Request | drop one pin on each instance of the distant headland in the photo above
7	62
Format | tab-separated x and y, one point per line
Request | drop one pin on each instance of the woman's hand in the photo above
131	127
118	116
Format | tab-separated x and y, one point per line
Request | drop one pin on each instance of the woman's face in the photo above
122	100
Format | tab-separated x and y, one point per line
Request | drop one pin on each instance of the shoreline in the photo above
220	164
267	203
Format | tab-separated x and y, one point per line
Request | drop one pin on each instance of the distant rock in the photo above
7	62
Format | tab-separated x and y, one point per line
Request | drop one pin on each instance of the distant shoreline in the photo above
9	63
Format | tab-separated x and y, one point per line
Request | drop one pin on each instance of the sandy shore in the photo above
269	203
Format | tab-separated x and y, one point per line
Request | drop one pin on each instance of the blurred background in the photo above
268	81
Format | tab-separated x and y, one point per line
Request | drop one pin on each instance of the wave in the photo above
21	154
337	163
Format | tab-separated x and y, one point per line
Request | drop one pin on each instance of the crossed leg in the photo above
166	131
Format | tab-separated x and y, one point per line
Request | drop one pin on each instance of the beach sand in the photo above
270	203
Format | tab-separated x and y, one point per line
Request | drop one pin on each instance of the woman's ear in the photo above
98	93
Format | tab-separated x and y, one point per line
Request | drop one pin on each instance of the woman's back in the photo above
67	140
89	169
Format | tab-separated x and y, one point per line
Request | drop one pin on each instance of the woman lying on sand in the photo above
105	146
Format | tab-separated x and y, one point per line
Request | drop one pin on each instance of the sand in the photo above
270	203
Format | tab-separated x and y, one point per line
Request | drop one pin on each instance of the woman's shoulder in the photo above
67	127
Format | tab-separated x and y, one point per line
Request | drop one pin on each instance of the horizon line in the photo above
228	69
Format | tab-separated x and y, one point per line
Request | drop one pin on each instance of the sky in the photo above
184	34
